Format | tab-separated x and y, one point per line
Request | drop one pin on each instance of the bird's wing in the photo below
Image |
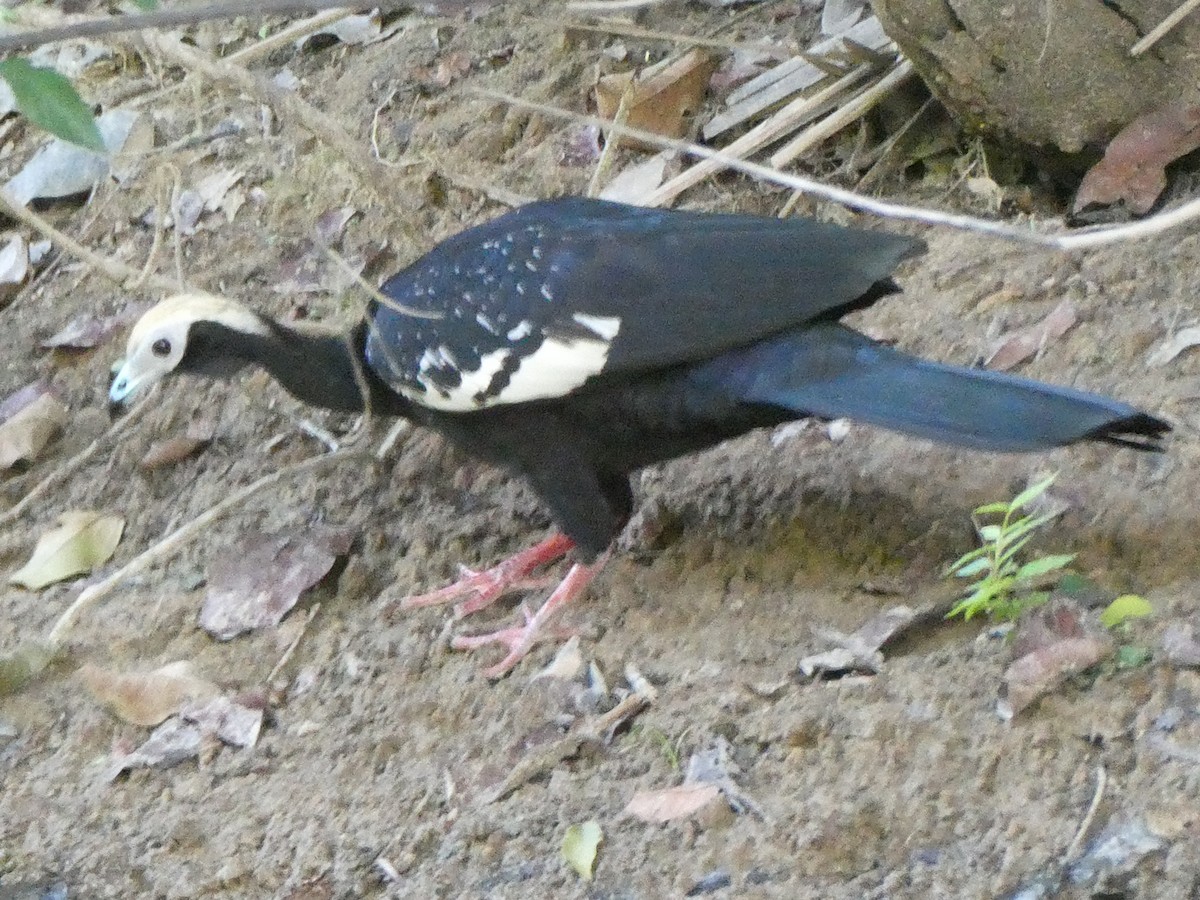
536	303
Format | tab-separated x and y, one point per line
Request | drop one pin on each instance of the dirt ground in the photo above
383	744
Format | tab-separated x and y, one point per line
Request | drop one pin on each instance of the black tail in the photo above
831	371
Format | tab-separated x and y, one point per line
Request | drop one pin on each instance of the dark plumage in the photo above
574	341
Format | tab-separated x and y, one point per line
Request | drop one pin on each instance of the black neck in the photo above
318	369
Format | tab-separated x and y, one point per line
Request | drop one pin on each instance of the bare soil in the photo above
905	784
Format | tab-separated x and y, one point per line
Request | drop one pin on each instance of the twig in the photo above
72	465
287	654
623	29
543	760
1086	824
91	595
1156	33
377	295
609	153
798	111
109	268
170	18
1080	240
843	116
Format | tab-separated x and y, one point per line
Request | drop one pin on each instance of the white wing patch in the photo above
558	366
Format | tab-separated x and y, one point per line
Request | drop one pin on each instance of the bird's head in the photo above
176	336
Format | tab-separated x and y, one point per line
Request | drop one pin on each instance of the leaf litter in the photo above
82	541
1051	643
708	785
858	651
146	698
258	584
26	432
1015	347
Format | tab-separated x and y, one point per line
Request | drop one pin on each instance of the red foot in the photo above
486	587
519	639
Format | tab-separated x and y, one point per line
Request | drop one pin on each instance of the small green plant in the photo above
1004	586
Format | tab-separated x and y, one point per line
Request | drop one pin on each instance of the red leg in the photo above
484	588
519	639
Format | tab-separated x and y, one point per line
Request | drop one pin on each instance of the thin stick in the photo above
96	592
608	154
1081	832
757	137
287	654
72	465
1156	33
170	18
622	29
1080	240
109	268
843	116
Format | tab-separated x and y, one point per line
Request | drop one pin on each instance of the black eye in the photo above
161	347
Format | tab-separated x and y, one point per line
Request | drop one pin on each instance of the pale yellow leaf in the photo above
82	541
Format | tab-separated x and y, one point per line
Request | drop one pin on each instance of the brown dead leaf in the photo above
1133	169
258	583
27	432
172	451
146	698
82	541
1016	347
332	224
663	97
1037	673
672	804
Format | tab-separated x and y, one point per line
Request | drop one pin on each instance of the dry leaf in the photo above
633	183
27	432
87	331
171	743
567	662
858	651
579	847
172	451
21	398
1168	350
82	541
672	804
146	698
1018	346
1038	672
60	169
256	585
662	97
1133	169
232	721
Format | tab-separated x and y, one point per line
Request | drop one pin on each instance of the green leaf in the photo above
989	534
1032	492
974	567
1131	656
50	101
991	509
1038	567
579	847
1125	607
